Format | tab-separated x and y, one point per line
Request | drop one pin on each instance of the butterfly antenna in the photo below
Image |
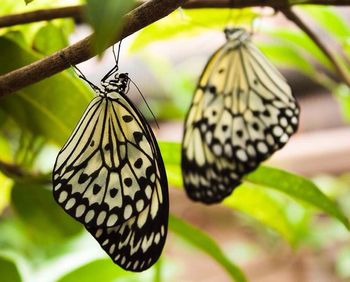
116	56
138	89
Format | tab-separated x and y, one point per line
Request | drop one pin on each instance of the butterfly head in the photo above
119	83
235	34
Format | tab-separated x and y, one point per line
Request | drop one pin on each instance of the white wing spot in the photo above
208	137
101	217
58	186
262	148
284	122
148	192
139	205
289	130
70	203
242	155
289	112
80	210
228	150
127	212
63	196
99	233
157	238
112	248
123	260
112	220
277	131
284	138
89	216
294	120
251	150
269	139
217	149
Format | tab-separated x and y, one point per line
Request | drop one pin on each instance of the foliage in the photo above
106	20
38	242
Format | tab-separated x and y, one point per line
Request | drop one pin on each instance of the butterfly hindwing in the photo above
137	243
110	176
242	112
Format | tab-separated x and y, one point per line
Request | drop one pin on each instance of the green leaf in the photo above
50	108
158	271
330	20
301	43
189	23
171	153
260	205
98	270
206	244
105	17
287	57
5	190
49	39
8	269
5	149
252	200
16	36
46	222
342	265
342	93
297	187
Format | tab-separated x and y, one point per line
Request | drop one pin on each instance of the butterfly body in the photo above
110	176
242	112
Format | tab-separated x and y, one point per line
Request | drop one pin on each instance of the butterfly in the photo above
242	111
110	176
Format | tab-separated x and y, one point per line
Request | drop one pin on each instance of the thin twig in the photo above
43	15
77	12
342	72
138	18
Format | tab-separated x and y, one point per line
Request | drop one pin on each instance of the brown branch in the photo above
138	18
342	72
77	12
16	172
42	15
197	4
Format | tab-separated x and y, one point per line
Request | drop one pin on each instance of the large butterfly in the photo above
242	111
110	176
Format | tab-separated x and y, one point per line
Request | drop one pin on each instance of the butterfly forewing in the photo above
242	112
110	176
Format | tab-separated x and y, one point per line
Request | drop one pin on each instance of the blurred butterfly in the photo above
242	111
110	176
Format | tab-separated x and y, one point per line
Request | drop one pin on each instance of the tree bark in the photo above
140	17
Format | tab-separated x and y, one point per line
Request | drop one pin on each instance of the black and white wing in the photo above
110	176
242	112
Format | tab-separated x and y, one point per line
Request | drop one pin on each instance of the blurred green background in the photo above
277	226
